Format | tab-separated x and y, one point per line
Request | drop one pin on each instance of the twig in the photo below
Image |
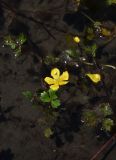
103	65
107	144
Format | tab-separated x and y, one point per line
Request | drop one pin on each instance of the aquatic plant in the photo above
100	115
51	98
15	43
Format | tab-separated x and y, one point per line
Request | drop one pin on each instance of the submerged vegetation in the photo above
100	115
81	53
15	43
76	65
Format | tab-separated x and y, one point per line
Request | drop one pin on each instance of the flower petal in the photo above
94	77
54	87
76	39
49	80
61	83
55	73
64	76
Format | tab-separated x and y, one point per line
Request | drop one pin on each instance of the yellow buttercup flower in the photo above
94	77
76	39
57	80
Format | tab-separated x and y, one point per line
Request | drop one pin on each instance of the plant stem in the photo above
84	14
108	145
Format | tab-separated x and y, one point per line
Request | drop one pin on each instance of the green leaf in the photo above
52	94
28	94
107	124
55	103
44	96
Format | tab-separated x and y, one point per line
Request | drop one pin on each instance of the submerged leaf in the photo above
48	132
90	118
107	124
106	109
28	94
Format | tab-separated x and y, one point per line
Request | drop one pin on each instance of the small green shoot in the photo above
50	97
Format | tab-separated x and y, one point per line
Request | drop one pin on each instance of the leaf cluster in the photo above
99	116
51	98
15	43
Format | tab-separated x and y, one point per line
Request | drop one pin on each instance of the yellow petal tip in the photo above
94	77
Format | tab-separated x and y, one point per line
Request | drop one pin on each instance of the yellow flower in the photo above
76	39
57	80
94	77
